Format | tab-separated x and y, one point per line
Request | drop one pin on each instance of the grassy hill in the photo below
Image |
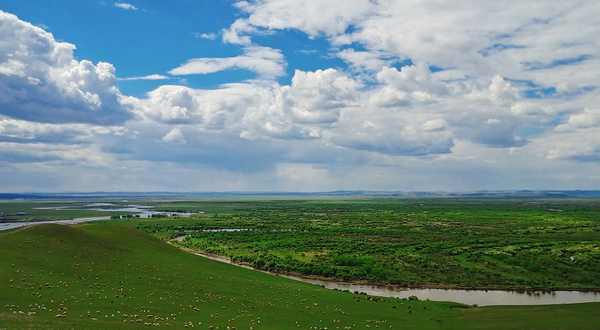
105	276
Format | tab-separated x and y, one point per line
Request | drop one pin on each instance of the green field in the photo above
107	276
482	243
32	211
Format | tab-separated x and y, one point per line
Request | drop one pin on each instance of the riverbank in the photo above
390	286
178	288
20	224
482	296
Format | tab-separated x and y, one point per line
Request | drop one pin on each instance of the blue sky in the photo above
279	95
159	36
155	38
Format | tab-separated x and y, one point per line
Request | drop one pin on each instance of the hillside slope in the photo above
105	276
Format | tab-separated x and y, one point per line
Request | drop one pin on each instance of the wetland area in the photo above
509	257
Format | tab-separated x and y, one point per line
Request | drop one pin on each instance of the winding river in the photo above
468	297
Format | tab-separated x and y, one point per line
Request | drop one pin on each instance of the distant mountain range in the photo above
337	193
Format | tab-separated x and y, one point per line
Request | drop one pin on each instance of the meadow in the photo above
45	210
113	276
439	242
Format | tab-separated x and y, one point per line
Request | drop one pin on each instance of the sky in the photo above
306	95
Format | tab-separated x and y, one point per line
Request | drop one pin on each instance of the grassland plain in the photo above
484	243
44	210
107	276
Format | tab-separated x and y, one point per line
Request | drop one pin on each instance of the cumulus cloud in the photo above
570	147
409	112
324	105
364	60
300	110
313	17
41	81
411	84
174	136
266	62
522	108
303	109
588	118
578	138
317	97
470	90
54	109
536	40
173	104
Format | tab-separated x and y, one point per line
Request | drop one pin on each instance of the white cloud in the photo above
435	125
502	91
576	139
233	35
267	62
474	38
148	77
468	97
312	102
411	84
41	81
460	115
364	60
588	118
55	154
126	6
411	112
207	36
312	17
412	78
174	136
169	104
26	131
530	109
317	97
393	133
303	109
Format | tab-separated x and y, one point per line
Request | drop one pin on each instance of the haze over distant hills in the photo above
337	193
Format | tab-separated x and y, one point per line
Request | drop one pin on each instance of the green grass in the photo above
111	271
573	316
441	241
32	213
102	276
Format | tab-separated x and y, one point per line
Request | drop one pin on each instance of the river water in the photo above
468	297
141	210
11	225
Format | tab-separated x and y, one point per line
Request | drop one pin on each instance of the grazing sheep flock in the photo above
105	276
87	276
